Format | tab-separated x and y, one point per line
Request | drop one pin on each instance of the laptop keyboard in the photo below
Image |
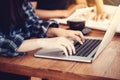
85	49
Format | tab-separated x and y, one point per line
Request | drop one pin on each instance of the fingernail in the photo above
81	42
74	52
70	54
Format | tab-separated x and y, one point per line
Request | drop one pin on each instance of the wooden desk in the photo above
105	67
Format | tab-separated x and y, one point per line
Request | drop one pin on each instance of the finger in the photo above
104	16
69	49
95	18
77	38
72	47
98	17
63	48
69	46
81	36
108	16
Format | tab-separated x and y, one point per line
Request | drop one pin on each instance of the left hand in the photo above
72	34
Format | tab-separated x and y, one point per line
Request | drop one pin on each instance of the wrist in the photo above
52	32
99	11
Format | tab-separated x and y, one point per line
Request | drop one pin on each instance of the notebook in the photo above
87	14
94	45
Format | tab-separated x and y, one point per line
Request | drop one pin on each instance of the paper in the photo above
87	14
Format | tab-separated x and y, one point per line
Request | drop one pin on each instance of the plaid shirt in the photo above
33	27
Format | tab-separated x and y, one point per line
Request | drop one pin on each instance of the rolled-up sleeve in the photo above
37	26
9	45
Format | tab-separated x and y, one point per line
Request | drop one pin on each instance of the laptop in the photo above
91	48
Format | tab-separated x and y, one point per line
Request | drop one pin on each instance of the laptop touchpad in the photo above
50	52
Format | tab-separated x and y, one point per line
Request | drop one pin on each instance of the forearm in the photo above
99	5
29	45
47	14
52	32
33	44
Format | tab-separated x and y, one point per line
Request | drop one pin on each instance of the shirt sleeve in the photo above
35	26
9	45
38	27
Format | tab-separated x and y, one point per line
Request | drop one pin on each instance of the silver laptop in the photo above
91	48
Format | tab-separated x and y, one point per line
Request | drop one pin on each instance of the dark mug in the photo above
76	24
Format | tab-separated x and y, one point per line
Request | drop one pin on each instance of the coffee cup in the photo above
76	24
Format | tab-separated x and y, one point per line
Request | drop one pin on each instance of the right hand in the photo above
101	16
59	42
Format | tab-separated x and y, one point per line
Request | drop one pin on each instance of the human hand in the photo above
72	34
101	15
100	11
59	42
